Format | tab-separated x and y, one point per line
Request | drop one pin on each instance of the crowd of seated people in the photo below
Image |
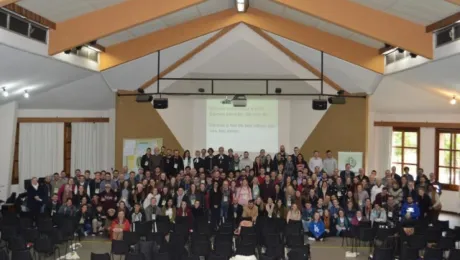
228	188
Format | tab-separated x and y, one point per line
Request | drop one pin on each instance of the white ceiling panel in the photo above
350	77
90	93
419	11
213	6
132	75
61	10
116	38
366	40
267	6
301	17
334	29
147	28
181	16
20	70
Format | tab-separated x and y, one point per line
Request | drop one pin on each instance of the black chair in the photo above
146	248
223	248
119	247
409	253
381	253
143	228
366	235
300	253
8	232
433	234
190	257
457	234
432	254
25	223
21	255
131	238
158	238
213	256
294	240
443	225
417	241
105	256
200	245
266	257
30	234
44	246
45	225
135	256
17	243
454	254
226	228
446	243
161	256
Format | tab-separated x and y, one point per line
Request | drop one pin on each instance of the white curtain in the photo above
90	146
41	150
382	147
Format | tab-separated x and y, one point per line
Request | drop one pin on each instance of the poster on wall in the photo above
133	149
355	159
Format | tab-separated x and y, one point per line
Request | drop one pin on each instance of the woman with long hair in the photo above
342	224
269	207
119	225
280	210
293	214
268	164
215	200
244	193
187	159
257	166
169	210
255	188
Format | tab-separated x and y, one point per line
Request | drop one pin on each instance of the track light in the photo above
400	50
78	48
242	5
26	94
413	55
453	101
67	51
93	42
5	93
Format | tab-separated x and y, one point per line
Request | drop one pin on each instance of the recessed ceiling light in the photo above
453	101
26	94
5	93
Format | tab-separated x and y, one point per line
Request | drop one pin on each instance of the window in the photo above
38	33
448	157
3	19
405	149
19	26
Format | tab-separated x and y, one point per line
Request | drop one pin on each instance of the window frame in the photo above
452	150
402	163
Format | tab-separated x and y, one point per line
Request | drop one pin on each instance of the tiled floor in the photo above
329	249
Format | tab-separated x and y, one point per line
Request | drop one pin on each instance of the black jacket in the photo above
33	204
95	186
147	162
198	163
221	161
235	213
209	163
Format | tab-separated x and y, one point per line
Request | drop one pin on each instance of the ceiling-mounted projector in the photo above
226	101
240	101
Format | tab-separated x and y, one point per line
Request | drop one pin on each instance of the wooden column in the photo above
67	147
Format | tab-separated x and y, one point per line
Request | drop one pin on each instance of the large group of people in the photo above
228	187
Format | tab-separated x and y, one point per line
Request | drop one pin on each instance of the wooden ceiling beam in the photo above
373	23
7	2
345	49
443	23
296	58
104	22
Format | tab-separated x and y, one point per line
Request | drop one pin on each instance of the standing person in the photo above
245	161
209	160
198	161
119	225
244	193
177	163
157	159
347	173
221	160
315	161
146	160
436	205
35	197
424	203
215	200
329	164
226	197
188	161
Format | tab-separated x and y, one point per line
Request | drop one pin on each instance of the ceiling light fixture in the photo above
242	5
413	55
67	51
453	101
94	48
400	50
26	94
5	93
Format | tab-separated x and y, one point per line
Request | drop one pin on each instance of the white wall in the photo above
186	118
7	140
449	199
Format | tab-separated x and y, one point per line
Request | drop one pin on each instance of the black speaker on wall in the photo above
319	104
160	103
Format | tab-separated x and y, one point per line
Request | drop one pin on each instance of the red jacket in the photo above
116	223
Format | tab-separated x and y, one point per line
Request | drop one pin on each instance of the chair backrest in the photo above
21	255
146	248
299	253
454	254
131	238
432	254
135	256
105	256
409	253
119	247
43	244
383	253
366	234
161	256
217	257
443	224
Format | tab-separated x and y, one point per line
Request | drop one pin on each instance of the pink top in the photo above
243	195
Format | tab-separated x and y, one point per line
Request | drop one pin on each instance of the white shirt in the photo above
374	191
315	162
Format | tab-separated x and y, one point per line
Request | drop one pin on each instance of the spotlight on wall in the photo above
67	51
78	48
278	90
413	55
5	93
400	50
453	101
26	94
201	90
242	5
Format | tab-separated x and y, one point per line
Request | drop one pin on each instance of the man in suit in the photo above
146	160
198	162
222	160
347	173
157	159
209	160
235	211
36	196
